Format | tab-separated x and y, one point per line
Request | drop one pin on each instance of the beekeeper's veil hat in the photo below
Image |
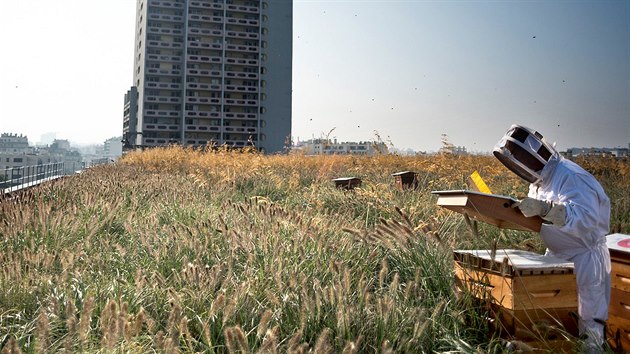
524	151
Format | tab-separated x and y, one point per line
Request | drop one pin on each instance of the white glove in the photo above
555	214
532	207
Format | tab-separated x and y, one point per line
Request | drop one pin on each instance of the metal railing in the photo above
16	178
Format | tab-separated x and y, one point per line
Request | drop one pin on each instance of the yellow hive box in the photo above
532	296
619	308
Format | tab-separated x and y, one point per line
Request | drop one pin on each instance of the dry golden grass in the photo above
176	250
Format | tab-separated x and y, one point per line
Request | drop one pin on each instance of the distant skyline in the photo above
408	70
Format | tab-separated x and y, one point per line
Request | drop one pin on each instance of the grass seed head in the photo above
263	323
383	273
352	347
85	319
270	341
386	347
43	332
11	347
323	342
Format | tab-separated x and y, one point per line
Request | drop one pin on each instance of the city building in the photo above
59	145
211	72
332	147
16	152
592	151
13	143
453	150
109	151
112	148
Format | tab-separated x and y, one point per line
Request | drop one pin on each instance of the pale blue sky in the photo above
413	70
410	70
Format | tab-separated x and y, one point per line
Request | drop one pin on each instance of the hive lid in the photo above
619	247
401	173
493	209
345	179
514	261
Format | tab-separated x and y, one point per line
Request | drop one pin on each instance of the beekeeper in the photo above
576	214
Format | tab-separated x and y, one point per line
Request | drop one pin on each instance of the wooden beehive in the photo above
619	307
406	180
532	296
493	209
347	183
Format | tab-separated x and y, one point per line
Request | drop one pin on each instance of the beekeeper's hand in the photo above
557	215
532	207
553	214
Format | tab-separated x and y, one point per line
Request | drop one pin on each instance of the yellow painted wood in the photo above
520	292
479	183
620	276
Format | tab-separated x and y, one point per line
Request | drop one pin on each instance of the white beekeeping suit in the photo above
576	211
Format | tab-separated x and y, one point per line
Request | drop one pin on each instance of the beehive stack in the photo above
619	308
532	296
347	183
406	180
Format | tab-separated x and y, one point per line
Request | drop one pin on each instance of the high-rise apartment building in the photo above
211	71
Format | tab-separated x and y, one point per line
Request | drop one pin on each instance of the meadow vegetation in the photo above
176	250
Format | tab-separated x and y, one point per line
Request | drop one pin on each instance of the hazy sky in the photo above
409	70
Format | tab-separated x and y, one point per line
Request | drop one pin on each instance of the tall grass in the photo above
176	250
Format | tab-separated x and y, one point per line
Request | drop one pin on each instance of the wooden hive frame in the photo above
493	209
